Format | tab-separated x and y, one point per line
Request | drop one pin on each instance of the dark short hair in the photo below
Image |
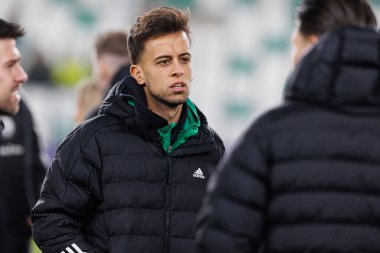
112	42
319	16
156	22
10	30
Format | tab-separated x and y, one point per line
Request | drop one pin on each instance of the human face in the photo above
102	71
301	44
165	71
105	67
12	75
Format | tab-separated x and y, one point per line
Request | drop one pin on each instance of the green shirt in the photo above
189	129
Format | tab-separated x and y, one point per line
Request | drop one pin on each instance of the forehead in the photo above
8	50
176	43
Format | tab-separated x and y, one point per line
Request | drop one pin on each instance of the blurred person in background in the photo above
304	177
21	166
88	98
111	61
132	179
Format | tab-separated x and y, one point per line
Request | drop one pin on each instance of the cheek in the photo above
6	85
294	55
190	73
101	71
297	53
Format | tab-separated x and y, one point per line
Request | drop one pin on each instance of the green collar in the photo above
189	129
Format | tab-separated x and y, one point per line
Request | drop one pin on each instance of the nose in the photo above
178	69
21	75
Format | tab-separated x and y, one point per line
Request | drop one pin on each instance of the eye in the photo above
163	62
186	59
10	64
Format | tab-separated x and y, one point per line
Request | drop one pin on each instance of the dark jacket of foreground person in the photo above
305	177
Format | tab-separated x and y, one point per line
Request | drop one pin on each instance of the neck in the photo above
171	114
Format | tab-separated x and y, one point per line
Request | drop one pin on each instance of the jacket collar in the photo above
126	100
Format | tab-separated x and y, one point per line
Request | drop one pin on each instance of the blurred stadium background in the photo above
241	55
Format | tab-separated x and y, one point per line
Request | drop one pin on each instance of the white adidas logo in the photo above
73	249
198	173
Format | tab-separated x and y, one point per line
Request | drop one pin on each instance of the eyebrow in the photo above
12	61
169	56
185	54
162	57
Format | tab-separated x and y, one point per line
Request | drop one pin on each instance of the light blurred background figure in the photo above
89	96
111	61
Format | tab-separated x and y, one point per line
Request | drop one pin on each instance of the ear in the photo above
138	74
313	39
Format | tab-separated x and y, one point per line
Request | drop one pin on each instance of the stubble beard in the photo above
9	111
172	103
9	107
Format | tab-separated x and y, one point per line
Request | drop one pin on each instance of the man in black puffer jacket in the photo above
132	179
21	168
305	176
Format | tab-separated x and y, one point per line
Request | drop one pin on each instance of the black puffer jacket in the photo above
112	188
22	171
305	177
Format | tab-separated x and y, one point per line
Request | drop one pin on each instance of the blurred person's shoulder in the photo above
278	118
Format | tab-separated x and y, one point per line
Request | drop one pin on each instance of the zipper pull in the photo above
170	148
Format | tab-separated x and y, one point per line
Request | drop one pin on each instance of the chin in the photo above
10	111
176	103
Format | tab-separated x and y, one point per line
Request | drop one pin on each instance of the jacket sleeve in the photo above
233	214
68	194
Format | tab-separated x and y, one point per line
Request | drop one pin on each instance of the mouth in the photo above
16	93
178	86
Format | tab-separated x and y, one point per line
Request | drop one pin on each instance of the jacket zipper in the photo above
167	208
